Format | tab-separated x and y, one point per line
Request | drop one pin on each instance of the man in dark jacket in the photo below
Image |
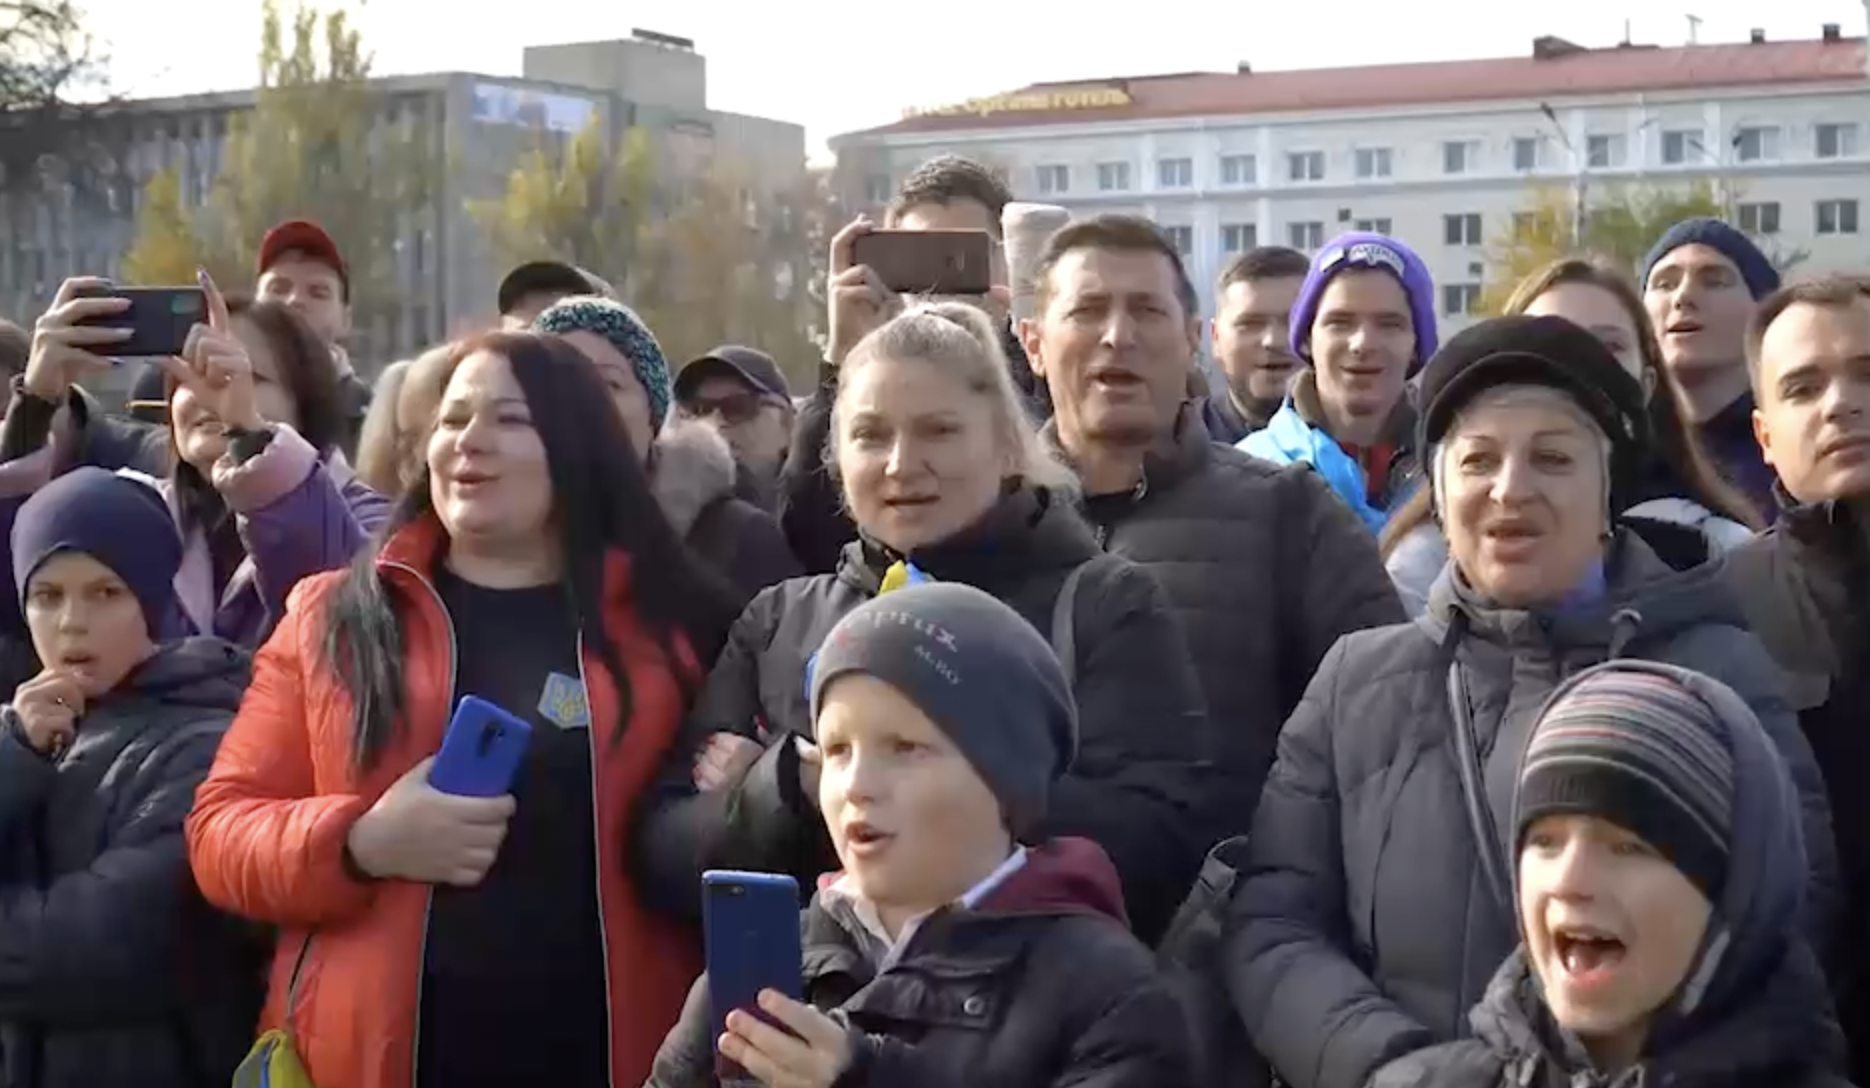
1252	340
113	970
1805	583
741	393
1264	566
1701	283
946	193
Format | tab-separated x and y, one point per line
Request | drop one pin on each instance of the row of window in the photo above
1603	151
1466	229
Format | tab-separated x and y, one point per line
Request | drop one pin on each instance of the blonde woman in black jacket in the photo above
946	481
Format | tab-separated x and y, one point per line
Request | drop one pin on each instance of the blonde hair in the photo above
958	339
379	447
1543	396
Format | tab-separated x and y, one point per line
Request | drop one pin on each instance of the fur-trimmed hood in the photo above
693	468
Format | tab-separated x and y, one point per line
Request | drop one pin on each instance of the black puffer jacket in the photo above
1805	584
1038	986
1144	741
1265	568
1364	928
112	968
1763	1016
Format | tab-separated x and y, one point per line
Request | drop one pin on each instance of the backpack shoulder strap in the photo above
1065	624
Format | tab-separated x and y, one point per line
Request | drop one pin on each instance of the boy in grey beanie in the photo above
947	952
981	673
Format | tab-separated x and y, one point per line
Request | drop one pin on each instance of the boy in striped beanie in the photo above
1660	886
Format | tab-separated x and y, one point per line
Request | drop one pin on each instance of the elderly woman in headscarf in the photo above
1375	903
690	465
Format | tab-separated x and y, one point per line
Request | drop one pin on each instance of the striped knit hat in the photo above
1634	746
626	332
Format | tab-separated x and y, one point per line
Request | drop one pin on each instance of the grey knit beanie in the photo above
979	671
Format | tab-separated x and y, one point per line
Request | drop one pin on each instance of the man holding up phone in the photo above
947	193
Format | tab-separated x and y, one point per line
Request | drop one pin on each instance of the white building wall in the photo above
1419	193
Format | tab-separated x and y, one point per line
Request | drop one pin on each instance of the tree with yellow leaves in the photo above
166	250
1620	224
729	263
317	146
576	200
706	258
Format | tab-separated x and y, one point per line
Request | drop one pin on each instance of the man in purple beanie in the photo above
1365	322
1701	283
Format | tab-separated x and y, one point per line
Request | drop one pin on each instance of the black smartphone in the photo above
158	318
929	262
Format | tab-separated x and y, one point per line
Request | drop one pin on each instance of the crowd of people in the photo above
1392	712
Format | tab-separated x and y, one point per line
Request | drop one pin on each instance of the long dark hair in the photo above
601	501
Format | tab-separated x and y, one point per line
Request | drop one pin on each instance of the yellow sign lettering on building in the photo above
1087	98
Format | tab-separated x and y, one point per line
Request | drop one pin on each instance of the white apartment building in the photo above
1441	155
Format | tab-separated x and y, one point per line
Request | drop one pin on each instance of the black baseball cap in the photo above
750	365
549	277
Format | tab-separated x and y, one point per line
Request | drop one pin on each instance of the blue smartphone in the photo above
750	922
481	752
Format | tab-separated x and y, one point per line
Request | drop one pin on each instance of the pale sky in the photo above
851	64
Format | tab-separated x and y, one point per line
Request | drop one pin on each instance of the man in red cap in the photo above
300	266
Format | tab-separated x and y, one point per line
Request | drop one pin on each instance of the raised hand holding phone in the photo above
64	345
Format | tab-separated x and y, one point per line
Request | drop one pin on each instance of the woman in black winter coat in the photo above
943	474
1371	914
1659	879
958	945
113	970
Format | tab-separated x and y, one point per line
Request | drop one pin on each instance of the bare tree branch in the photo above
58	123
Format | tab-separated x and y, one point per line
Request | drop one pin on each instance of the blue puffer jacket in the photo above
1291	436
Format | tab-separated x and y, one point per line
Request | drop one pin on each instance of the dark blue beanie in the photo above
981	673
1761	277
1361	250
116	520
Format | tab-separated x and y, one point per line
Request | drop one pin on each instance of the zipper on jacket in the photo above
597	861
428	899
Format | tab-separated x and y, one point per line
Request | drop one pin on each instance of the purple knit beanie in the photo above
1363	250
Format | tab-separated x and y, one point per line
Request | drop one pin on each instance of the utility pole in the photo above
1694	30
1579	179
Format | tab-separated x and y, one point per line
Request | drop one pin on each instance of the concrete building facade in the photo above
1441	155
480	126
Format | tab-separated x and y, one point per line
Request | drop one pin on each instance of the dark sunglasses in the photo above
735	408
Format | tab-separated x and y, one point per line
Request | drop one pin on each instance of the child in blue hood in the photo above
112	968
1659	885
